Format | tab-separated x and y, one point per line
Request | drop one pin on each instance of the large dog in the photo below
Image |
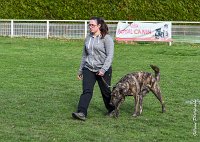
137	85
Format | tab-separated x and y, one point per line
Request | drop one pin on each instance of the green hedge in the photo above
165	10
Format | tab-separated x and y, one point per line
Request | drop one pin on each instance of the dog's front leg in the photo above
117	108
141	96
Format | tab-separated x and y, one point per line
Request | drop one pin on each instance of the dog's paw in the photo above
134	115
163	109
112	114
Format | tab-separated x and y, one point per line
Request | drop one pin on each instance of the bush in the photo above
157	10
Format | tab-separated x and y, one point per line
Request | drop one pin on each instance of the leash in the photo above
104	81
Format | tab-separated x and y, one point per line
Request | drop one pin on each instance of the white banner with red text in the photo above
138	31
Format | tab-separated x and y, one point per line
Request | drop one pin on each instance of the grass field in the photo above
39	90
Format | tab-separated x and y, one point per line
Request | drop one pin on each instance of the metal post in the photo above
12	29
47	29
86	28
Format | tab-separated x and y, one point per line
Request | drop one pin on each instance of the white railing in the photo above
77	29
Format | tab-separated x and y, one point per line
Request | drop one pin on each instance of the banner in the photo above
138	31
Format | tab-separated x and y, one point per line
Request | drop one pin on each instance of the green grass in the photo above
39	90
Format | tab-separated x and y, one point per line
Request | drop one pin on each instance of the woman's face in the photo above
94	28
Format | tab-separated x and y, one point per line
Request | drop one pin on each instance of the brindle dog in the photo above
137	85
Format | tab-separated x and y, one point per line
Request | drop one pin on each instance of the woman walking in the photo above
95	66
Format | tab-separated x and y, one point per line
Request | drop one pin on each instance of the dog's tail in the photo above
157	72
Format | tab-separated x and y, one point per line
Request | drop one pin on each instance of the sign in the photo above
138	31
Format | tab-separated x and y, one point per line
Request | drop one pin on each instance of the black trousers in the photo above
89	80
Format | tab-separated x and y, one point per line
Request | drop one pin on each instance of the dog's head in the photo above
116	95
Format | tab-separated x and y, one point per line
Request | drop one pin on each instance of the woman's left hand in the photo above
100	73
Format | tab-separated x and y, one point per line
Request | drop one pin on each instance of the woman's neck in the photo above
97	34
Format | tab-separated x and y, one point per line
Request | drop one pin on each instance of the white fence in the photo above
77	29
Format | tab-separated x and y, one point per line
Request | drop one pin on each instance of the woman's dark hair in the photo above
103	28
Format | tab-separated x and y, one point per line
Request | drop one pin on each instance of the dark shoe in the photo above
79	115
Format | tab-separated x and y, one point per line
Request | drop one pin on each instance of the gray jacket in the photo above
97	53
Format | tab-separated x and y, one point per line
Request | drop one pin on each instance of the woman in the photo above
95	66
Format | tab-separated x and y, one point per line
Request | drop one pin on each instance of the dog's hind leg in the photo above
136	107
140	103
156	91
